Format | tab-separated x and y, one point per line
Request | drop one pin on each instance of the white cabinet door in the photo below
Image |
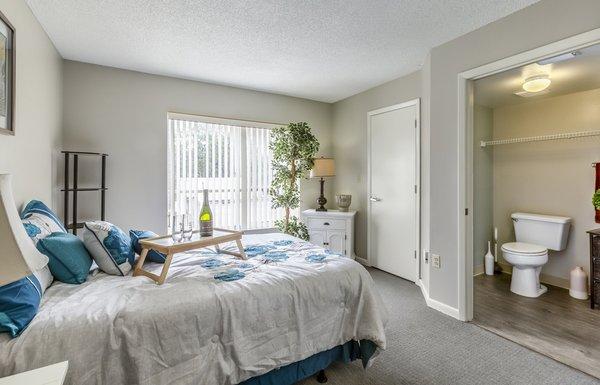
317	237
336	241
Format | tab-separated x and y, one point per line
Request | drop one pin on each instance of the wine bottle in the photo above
206	217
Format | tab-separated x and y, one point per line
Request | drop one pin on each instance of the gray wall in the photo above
483	185
30	156
124	113
535	26
349	137
552	177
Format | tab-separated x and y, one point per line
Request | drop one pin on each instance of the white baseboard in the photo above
362	261
439	306
478	270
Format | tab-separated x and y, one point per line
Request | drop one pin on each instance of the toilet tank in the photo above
549	231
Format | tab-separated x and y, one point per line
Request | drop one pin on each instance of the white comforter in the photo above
195	329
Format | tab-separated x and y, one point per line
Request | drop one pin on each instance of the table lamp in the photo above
323	168
19	257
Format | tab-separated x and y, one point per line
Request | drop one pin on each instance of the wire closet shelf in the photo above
541	138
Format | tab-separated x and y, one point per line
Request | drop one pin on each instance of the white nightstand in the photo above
48	375
333	230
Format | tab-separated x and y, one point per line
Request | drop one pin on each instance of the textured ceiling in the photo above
321	50
580	73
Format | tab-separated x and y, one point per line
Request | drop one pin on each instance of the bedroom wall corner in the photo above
31	154
425	171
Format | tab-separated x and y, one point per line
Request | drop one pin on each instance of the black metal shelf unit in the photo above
74	224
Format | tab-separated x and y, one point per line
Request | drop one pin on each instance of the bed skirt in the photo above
297	371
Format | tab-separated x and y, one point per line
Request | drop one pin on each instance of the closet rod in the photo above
567	135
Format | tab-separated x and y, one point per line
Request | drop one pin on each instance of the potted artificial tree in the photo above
294	148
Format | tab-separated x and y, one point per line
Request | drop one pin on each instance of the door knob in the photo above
374	199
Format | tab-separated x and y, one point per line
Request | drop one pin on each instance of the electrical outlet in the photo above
435	261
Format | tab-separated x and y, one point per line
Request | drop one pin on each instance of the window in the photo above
231	159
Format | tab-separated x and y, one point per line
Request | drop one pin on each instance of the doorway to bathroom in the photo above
534	142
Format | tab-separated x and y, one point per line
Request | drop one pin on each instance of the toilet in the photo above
535	234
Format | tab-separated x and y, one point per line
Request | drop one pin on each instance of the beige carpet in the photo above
427	347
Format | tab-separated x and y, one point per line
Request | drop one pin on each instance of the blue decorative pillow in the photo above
19	303
153	255
40	221
69	261
109	246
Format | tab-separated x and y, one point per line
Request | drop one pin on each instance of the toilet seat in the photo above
524	249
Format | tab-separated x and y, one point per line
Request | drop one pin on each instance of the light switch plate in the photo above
435	261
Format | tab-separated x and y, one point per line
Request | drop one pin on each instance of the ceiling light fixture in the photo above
536	83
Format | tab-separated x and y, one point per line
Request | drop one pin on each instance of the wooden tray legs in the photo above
241	254
160	279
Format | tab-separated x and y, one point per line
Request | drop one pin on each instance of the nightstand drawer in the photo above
326	224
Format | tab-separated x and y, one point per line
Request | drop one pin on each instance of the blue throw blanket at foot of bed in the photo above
297	371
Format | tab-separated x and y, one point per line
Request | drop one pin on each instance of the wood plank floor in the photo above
553	324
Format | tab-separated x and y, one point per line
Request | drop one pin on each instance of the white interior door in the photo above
393	222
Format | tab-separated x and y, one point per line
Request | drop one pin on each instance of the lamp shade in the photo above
19	257
323	167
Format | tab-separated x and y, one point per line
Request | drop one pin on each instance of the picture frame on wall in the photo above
7	76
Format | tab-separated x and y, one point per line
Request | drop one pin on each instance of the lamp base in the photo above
321	201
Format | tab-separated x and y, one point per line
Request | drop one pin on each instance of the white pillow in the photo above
45	277
109	246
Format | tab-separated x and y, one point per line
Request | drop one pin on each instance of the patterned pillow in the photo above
40	221
109	246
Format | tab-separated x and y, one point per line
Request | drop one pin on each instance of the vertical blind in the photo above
229	158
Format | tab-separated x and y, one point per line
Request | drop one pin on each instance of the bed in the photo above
216	320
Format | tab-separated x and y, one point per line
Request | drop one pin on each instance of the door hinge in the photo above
415	189
345	236
415	254
466	211
415	123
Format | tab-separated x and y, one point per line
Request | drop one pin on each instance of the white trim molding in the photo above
439	306
465	150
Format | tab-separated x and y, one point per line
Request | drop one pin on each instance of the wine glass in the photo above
186	228
176	235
